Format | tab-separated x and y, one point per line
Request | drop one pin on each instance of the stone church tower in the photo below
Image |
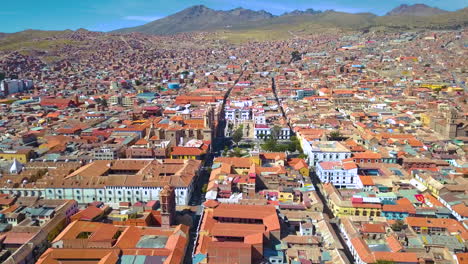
168	206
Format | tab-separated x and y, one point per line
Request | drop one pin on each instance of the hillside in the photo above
284	27
33	38
416	10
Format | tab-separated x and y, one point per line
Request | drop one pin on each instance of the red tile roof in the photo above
373	228
187	151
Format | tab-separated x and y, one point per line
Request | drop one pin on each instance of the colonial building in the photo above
342	174
118	181
318	151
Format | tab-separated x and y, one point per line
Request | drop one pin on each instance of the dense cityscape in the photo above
337	147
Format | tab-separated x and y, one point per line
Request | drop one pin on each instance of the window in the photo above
78	191
128	192
137	192
78	197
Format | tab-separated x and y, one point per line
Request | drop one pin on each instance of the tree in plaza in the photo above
237	136
236	152
275	132
270	144
226	150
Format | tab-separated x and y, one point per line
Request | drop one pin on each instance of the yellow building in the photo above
21	155
286	197
188	153
120	216
341	207
430	183
425	119
256	160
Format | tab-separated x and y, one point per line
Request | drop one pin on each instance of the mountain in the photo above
309	11
240	20
416	10
199	18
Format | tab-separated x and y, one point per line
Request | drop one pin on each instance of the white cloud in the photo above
142	18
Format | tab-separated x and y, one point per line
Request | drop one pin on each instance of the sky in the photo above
106	15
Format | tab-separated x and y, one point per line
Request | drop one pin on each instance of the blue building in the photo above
173	86
147	97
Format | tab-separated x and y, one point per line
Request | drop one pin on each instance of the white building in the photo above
262	131
342	174
318	151
237	114
118	181
258	116
8	87
113	195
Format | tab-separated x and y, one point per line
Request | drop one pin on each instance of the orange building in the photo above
93	242
233	233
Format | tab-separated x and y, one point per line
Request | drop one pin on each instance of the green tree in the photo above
297	144
270	144
226	150
384	262
335	135
275	132
237	136
236	152
398	225
295	56
103	103
2	76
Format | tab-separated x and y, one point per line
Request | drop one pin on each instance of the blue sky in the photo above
105	15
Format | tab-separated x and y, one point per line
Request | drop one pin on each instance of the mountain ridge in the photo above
198	18
202	18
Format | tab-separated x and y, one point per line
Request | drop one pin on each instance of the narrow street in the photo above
316	182
273	87
328	211
197	197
